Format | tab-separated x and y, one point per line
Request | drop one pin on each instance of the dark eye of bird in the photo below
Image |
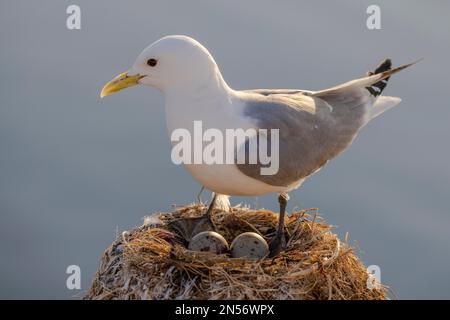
152	62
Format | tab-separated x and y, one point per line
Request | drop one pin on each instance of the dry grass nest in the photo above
150	262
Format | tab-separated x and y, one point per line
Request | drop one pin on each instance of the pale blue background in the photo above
74	168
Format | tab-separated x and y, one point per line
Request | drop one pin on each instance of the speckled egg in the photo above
208	241
249	245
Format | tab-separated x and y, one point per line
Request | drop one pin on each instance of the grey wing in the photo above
311	132
314	127
271	92
361	92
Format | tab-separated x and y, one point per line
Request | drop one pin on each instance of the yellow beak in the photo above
120	82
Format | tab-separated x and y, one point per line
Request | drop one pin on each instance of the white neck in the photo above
196	101
210	87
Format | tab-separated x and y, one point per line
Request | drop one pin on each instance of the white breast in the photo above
227	179
221	115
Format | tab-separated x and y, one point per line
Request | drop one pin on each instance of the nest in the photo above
151	262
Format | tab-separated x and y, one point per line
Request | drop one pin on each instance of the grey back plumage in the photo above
311	131
314	127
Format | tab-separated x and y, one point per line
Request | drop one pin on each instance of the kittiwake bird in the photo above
314	126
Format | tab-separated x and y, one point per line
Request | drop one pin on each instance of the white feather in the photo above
382	104
223	202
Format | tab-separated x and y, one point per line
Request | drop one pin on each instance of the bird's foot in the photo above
187	228
277	244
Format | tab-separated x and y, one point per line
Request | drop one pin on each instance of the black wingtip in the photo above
377	88
385	65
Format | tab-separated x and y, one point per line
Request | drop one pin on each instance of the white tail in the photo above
382	104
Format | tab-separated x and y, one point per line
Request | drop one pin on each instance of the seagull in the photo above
314	126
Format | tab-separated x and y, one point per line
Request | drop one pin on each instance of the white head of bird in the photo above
173	63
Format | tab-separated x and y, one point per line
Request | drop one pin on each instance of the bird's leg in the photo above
189	227
278	243
208	212
199	199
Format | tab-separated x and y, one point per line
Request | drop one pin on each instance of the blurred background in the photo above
75	170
